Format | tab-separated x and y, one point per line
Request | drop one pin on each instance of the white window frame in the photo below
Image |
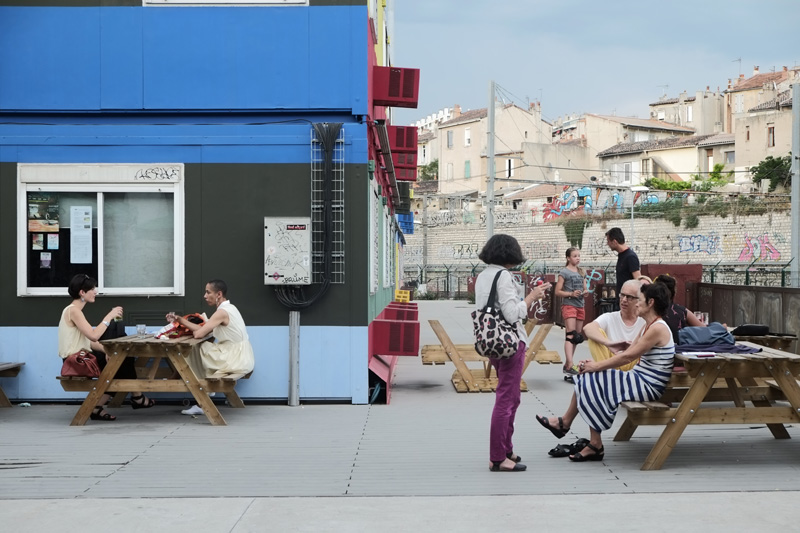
100	178
467	138
450	139
689	114
662	115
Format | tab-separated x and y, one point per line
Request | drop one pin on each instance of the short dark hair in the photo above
667	280
219	286
615	234
502	249
659	293
80	282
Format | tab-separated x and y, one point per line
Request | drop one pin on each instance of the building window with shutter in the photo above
770	136
467	137
467	170
450	139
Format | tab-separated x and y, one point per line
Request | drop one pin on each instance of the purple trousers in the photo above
506	401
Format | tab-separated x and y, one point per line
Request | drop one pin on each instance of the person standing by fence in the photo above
571	286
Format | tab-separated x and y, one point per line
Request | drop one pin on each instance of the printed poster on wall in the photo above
42	213
37	241
52	241
80	238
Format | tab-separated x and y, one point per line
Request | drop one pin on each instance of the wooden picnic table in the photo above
152	350
482	379
740	379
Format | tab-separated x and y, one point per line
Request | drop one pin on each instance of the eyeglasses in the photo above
628	297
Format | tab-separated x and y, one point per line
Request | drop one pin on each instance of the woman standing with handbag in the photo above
75	334
502	252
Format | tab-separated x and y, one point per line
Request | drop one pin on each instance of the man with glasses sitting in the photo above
613	332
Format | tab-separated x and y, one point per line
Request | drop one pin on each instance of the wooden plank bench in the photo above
224	384
8	370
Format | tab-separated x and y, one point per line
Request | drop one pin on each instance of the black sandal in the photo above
564	450
598	455
100	413
496	467
516	459
142	402
559	431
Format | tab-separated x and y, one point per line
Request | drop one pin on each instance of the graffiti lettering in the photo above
158	174
759	249
709	244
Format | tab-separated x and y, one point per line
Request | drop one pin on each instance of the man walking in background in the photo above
627	260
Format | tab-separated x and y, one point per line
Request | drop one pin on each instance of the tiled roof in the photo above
674	100
661	144
422	187
645	123
538	191
784	99
425	137
467	116
719	138
758	81
571	142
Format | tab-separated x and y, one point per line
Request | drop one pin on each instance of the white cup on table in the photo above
141	329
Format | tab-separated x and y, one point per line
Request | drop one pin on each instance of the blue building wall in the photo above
180	58
192	85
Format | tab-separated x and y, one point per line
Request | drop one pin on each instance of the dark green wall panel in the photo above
224	235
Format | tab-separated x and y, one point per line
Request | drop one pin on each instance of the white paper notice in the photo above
80	239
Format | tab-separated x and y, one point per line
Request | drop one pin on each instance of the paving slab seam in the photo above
358	449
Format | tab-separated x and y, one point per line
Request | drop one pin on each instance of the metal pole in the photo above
490	166
424	239
796	184
633	195
294	358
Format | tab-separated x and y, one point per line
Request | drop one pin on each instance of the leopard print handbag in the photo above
494	336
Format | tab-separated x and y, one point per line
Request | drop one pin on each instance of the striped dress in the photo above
599	393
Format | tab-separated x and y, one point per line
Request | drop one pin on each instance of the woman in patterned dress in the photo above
600	387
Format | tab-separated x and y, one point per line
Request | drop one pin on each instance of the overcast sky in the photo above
593	56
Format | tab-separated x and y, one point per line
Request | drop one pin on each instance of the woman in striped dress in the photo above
600	387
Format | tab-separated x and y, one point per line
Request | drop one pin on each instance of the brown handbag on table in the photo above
81	364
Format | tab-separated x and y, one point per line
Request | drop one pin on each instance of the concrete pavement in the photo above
419	464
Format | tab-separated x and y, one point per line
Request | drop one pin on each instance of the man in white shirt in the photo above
614	332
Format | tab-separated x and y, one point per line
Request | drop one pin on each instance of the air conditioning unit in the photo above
395	87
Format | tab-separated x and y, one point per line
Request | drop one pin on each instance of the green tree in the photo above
777	170
429	172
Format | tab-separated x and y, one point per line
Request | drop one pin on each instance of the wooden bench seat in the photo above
224	384
8	370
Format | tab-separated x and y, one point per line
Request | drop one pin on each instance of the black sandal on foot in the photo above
559	431
596	456
99	413
142	402
496	467
516	459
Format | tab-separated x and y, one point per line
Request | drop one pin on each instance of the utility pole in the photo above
795	184
424	239
490	154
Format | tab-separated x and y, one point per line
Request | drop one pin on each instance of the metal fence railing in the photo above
451	282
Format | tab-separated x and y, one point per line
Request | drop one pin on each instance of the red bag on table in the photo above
175	330
81	364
